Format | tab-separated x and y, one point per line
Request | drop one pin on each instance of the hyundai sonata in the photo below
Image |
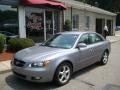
60	56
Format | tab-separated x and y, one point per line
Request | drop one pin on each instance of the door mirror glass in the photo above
81	45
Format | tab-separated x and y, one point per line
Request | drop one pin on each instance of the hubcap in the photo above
105	58
64	74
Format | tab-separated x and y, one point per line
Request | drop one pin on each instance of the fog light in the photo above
36	78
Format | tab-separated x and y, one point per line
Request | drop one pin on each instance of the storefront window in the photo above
39	23
8	19
35	24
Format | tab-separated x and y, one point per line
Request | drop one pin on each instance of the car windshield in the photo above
65	41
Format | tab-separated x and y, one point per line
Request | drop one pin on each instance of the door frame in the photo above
53	21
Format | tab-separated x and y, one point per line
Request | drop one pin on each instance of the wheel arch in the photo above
65	61
107	50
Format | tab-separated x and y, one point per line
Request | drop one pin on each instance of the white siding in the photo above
93	16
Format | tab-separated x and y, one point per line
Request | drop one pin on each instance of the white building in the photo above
89	18
39	21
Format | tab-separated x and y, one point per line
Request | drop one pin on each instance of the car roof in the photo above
76	32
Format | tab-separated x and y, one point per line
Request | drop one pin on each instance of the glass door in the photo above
49	24
52	21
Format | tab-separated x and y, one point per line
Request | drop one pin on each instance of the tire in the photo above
104	59
63	74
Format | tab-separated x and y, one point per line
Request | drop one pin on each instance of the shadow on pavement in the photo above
19	84
111	87
85	70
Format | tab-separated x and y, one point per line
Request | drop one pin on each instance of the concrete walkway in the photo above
113	39
5	65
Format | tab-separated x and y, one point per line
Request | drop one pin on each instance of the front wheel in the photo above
63	74
104	59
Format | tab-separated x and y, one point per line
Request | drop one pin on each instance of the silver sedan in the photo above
60	56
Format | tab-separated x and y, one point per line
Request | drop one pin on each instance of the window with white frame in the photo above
87	22
75	22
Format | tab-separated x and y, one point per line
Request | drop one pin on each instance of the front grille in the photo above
19	63
20	75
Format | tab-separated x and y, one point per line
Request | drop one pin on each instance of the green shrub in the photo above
2	42
16	44
67	25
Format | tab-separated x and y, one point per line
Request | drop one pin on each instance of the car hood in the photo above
37	53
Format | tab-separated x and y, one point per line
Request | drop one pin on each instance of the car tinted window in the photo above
84	39
94	38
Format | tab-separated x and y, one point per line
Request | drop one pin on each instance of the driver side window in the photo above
84	39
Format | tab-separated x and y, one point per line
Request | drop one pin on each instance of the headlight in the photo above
39	64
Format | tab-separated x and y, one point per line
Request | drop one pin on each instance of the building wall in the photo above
83	13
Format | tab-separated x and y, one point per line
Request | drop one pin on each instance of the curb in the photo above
5	67
114	41
5	71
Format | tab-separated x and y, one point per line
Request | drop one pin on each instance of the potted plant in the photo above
67	25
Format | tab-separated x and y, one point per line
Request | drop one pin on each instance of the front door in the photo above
84	54
100	23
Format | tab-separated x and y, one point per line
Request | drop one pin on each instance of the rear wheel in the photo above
104	59
63	74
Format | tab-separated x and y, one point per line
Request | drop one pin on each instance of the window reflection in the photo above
35	24
8	19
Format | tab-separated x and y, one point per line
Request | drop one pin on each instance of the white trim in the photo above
44	25
22	22
83	6
53	19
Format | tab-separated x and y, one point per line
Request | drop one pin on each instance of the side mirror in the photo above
38	44
81	45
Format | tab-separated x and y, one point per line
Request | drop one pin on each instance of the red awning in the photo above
58	4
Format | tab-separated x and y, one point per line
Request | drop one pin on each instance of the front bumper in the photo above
33	74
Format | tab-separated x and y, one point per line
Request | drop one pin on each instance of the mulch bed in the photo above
7	55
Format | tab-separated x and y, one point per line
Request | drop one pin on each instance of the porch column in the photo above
53	21
44	25
22	24
61	22
114	25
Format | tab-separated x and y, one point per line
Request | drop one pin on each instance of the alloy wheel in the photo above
64	74
105	58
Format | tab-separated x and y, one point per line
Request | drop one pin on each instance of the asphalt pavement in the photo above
94	77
